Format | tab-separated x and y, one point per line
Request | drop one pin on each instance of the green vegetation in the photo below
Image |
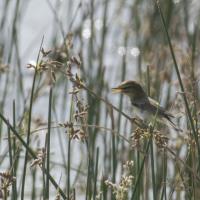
65	135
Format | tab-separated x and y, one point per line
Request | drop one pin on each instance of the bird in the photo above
142	101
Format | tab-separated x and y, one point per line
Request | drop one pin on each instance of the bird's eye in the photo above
128	87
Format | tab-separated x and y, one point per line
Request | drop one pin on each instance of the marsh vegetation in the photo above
64	134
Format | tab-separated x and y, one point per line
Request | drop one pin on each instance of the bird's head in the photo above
131	89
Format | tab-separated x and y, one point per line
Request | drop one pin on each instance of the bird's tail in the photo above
168	116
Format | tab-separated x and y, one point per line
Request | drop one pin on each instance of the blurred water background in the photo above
115	41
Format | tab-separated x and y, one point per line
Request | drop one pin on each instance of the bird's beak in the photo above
117	90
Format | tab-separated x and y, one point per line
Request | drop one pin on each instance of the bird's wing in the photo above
140	102
159	108
154	107
149	104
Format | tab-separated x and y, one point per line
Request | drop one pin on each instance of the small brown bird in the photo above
140	100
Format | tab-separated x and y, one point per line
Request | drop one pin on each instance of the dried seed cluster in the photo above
73	133
47	64
121	190
6	181
139	135
160	139
3	68
41	154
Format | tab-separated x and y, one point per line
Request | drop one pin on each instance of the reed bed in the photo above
64	134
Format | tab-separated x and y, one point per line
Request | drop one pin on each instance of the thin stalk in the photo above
21	78
140	172
74	194
68	167
152	167
29	124
180	80
59	23
33	192
28	137
148	81
114	160
10	149
123	74
176	158
103	40
190	175
43	174
60	139
194	188
4	14
104	188
31	152
48	143
99	77
96	173
13	37
69	150
151	141
91	45
14	185
164	191
88	179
